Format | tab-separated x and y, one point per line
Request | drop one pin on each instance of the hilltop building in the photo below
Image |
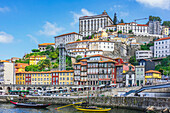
35	59
42	47
162	47
154	27
143	54
67	38
91	24
20	67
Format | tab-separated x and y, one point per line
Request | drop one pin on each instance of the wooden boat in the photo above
31	105
92	109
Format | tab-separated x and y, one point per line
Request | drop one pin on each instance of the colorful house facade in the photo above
35	59
151	76
20	67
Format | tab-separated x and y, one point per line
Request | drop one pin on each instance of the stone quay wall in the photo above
124	102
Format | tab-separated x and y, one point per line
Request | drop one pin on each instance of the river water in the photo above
9	108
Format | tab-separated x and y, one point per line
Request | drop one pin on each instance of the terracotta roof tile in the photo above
166	38
153	71
67	34
45	44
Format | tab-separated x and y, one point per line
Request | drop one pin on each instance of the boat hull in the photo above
30	105
93	110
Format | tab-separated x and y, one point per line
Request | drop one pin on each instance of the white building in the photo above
90	24
143	54
154	27
42	47
162	47
7	73
140	75
130	77
89	47
136	28
66	38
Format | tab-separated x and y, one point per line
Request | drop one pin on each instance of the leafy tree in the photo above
22	61
42	64
55	65
35	50
111	30
50	48
115	19
130	31
78	40
32	68
155	18
119	32
133	60
108	39
146	46
77	57
166	23
53	55
107	30
121	21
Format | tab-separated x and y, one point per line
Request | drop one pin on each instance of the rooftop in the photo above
45	44
166	38
67	34
153	71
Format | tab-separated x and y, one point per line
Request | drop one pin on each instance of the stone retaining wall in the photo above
125	102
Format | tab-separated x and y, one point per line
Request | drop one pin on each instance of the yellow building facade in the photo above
20	67
100	34
20	78
166	31
66	77
35	59
40	78
151	76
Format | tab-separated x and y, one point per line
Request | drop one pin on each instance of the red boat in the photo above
30	105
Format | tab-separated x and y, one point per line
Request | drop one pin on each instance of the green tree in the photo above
43	64
111	30
115	19
107	30
155	18
121	21
53	55
32	68
77	57
132	60
50	48
119	32
78	40
130	31
166	23
108	39
35	50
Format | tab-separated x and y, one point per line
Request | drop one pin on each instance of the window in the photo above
63	78
67	78
60	78
67	74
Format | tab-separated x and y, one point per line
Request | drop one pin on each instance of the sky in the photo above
26	23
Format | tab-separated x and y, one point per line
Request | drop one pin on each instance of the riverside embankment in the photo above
122	102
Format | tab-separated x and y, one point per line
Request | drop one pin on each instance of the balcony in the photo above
93	73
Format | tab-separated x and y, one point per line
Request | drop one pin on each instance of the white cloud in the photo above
4	9
50	29
84	12
123	14
163	4
33	38
5	38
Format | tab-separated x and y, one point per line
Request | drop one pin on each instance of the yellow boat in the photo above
96	109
